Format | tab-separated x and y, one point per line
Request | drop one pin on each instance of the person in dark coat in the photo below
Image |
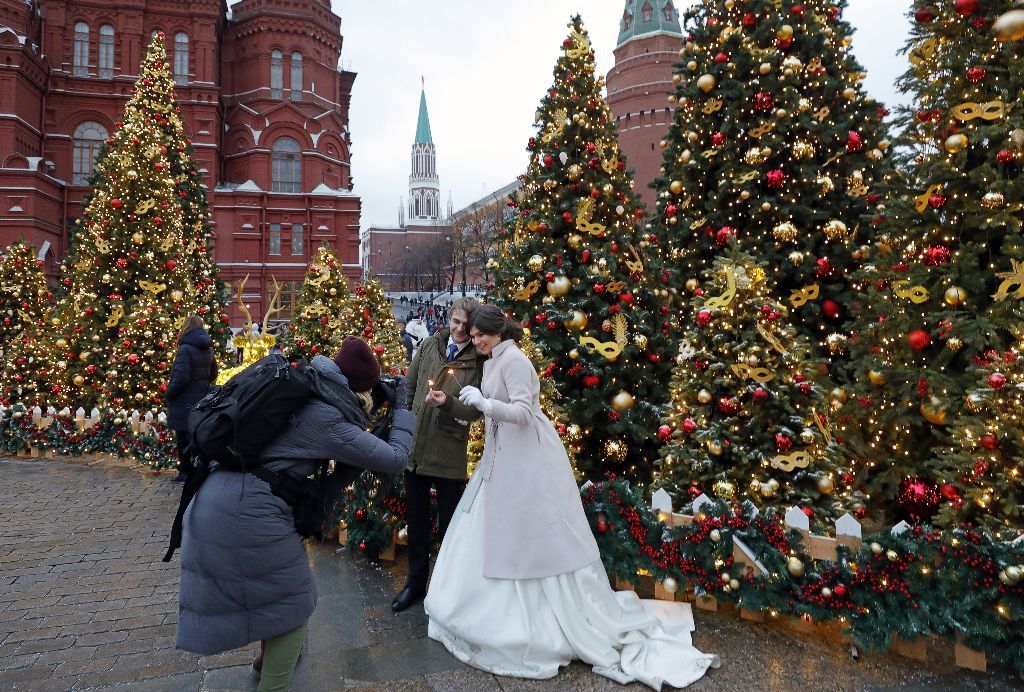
195	369
245	575
407	341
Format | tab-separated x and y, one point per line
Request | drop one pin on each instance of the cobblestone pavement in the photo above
85	603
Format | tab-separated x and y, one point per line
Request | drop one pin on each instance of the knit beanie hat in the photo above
358	364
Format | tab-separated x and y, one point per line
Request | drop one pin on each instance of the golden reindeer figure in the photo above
254	346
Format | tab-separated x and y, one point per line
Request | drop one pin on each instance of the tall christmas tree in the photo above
775	145
324	313
376	325
578	269
136	271
944	282
747	421
25	305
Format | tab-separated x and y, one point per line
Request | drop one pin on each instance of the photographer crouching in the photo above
244	571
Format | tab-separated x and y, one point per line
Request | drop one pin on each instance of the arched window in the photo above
286	172
106	56
667	10
647	11
87	142
276	74
81	61
181	58
296	85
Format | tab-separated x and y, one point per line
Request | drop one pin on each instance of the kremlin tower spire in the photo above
424	186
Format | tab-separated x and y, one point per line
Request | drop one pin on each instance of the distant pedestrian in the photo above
194	370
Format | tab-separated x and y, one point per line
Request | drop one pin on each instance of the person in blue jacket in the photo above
195	369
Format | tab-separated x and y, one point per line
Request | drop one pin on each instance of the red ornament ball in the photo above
830	308
171	264
782	443
760	395
688	426
591	380
703	317
965	8
664	432
989	441
997	380
919	339
975	74
1004	156
925	14
949	492
919	499
360	514
936	201
839	591
116	203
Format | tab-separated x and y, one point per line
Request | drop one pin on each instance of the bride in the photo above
519	588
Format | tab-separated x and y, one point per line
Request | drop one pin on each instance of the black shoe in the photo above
180	478
406	598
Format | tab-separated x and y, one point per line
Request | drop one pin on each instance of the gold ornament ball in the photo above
715	447
745	194
956	143
704	396
715	535
79	380
333	291
84	355
1010	26
669	585
574	172
622	401
724	489
795	566
877	548
849	93
575	240
991	200
766	206
577	321
839	394
795	258
773	484
692	284
785	231
785	32
892	555
691	65
574	431
826	485
137	238
954	343
753	360
764	68
574	354
675	187
62	343
641	341
955	295
176	295
734	584
780	113
560	286
1014	573
826	592
706	83
933	411
835	230
877	377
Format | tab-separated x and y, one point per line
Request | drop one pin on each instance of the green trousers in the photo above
279	659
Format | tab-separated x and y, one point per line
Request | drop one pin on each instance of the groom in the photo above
447	362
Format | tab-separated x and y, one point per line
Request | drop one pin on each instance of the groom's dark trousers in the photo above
417	489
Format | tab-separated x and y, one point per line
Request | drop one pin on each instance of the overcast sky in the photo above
487	65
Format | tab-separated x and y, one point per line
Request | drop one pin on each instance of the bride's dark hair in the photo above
489	320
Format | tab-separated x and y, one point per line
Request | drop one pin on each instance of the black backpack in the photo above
235	423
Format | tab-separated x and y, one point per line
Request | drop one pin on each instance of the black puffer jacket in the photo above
194	371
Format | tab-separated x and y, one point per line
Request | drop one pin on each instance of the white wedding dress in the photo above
529	628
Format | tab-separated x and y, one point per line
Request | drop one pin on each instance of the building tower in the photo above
424	186
639	84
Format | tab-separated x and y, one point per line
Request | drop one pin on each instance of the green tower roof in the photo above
423	124
644	17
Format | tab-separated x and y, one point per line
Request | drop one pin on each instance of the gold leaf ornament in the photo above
619	327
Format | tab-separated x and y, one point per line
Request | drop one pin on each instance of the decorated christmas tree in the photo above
375	323
747	421
943	283
775	145
24	295
136	270
580	271
25	304
324	313
984	466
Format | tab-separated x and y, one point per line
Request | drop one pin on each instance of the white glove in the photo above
471	396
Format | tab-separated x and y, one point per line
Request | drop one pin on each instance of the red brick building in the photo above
264	103
640	82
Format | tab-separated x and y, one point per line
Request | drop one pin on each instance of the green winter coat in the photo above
439	445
